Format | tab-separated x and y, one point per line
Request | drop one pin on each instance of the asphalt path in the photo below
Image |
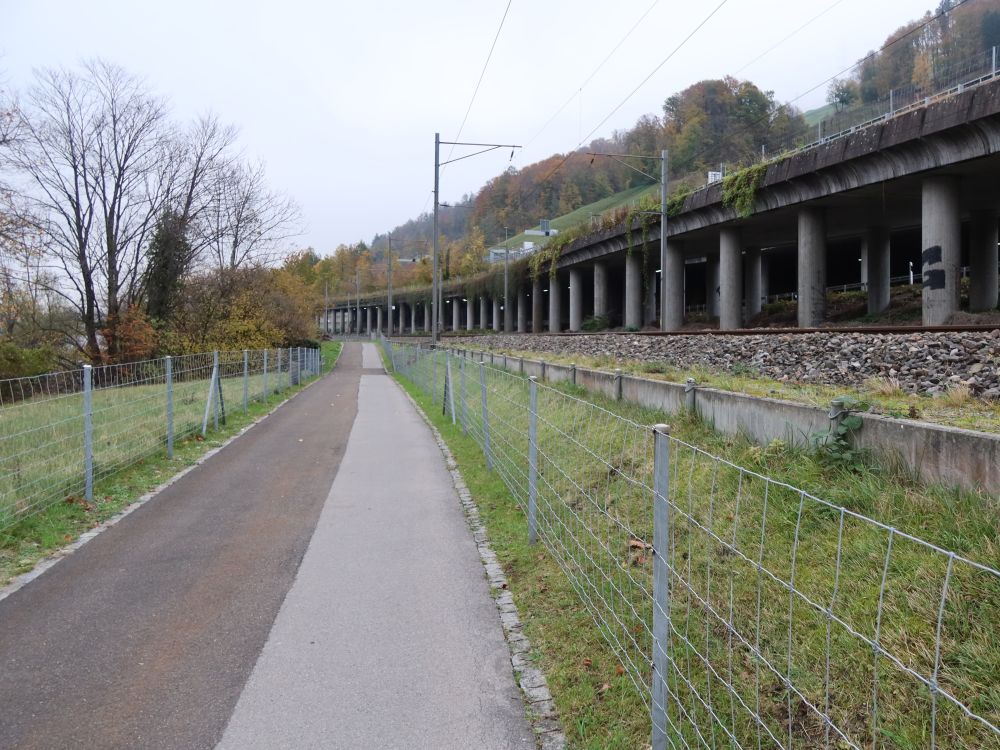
389	637
312	585
145	637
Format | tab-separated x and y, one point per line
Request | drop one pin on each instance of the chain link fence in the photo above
746	612
62	432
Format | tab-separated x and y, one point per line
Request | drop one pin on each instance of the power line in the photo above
655	70
592	74
632	93
773	47
480	81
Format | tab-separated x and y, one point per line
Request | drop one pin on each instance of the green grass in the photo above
882	398
582	215
129	461
594	497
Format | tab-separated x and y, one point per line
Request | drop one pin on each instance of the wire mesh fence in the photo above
746	612
62	432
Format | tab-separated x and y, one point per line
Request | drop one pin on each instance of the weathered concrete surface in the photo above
936	454
389	637
144	637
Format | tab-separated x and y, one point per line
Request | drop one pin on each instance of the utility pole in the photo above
357	289
435	266
506	276
435	283
389	284
663	240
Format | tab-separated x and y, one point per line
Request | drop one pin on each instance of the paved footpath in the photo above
312	585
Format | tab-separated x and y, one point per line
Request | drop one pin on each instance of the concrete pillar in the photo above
368	320
812	267
378	318
672	288
751	282
712	287
470	313
983	286
600	289
575	299
454	304
730	279
942	235
555	304
508	311
875	268
427	316
483	322
536	306
522	310
649	298
413	317
633	291
496	313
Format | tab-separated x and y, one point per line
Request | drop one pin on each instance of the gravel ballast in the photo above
926	363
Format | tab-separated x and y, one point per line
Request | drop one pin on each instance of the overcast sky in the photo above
342	100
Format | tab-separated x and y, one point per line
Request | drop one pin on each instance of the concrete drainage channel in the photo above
538	701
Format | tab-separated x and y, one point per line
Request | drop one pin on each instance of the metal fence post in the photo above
486	418
434	367
661	582
277	384
451	385
464	398
218	388
246	380
263	389
533	460
168	365
88	433
208	402
618	385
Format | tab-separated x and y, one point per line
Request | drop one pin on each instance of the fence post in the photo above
661	582
208	402
434	368
218	389
451	385
263	390
572	373
533	460
168	364
462	394
618	385
246	380
88	433
486	418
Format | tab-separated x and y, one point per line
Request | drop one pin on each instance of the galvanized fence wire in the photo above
65	431
746	612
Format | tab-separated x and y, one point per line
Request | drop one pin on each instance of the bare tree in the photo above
101	162
247	223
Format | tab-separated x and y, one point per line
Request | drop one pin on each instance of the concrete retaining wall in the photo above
937	454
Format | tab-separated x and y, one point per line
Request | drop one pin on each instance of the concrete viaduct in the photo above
920	190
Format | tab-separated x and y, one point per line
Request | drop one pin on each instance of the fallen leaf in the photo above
587	662
619	670
603	689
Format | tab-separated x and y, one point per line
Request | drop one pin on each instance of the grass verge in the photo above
948	409
35	537
585	489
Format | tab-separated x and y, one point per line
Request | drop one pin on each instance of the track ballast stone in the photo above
921	362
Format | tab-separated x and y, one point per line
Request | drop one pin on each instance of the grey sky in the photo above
341	100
